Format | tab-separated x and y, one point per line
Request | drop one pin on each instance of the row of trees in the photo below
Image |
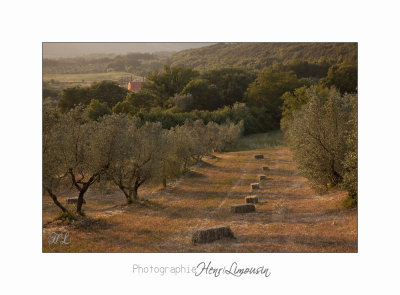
122	151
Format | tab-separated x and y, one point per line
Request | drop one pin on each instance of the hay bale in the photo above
259	156
74	201
265	168
251	199
212	234
262	177
244	208
255	185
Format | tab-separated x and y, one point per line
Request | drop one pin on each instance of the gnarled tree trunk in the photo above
56	202
80	199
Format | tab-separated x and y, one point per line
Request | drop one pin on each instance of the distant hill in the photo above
255	56
75	49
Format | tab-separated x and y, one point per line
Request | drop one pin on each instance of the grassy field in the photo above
291	217
87	79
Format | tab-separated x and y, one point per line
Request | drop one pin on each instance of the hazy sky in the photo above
56	50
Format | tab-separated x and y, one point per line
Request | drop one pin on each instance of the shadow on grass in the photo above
95	225
332	244
194	174
290	216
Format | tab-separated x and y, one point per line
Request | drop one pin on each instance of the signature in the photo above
61	238
234	269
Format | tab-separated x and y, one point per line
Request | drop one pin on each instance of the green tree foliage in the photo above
143	99
97	109
136	153
205	95
319	134
134	102
238	112
350	163
264	94
108	92
293	101
269	86
343	77
124	107
222	137
194	139
48	92
172	161
232	83
74	96
305	69
169	82
104	91
52	172
192	142
181	103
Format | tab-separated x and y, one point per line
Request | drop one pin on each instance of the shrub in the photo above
66	217
349	202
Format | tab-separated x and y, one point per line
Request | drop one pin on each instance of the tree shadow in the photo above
290	216
332	244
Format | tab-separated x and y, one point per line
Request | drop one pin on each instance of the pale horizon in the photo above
76	49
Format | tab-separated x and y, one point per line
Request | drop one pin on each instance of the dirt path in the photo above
213	212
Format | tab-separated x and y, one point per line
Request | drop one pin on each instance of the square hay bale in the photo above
255	185
212	234
259	156
265	168
251	199
244	208
74	201
262	177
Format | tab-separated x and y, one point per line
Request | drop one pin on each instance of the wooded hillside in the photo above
256	56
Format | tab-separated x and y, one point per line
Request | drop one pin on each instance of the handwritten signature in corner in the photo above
61	238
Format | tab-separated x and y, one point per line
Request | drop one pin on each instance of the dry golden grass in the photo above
290	216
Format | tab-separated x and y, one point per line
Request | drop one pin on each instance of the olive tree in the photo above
52	175
182	143
172	161
318	134
137	156
194	140
227	135
85	150
351	159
